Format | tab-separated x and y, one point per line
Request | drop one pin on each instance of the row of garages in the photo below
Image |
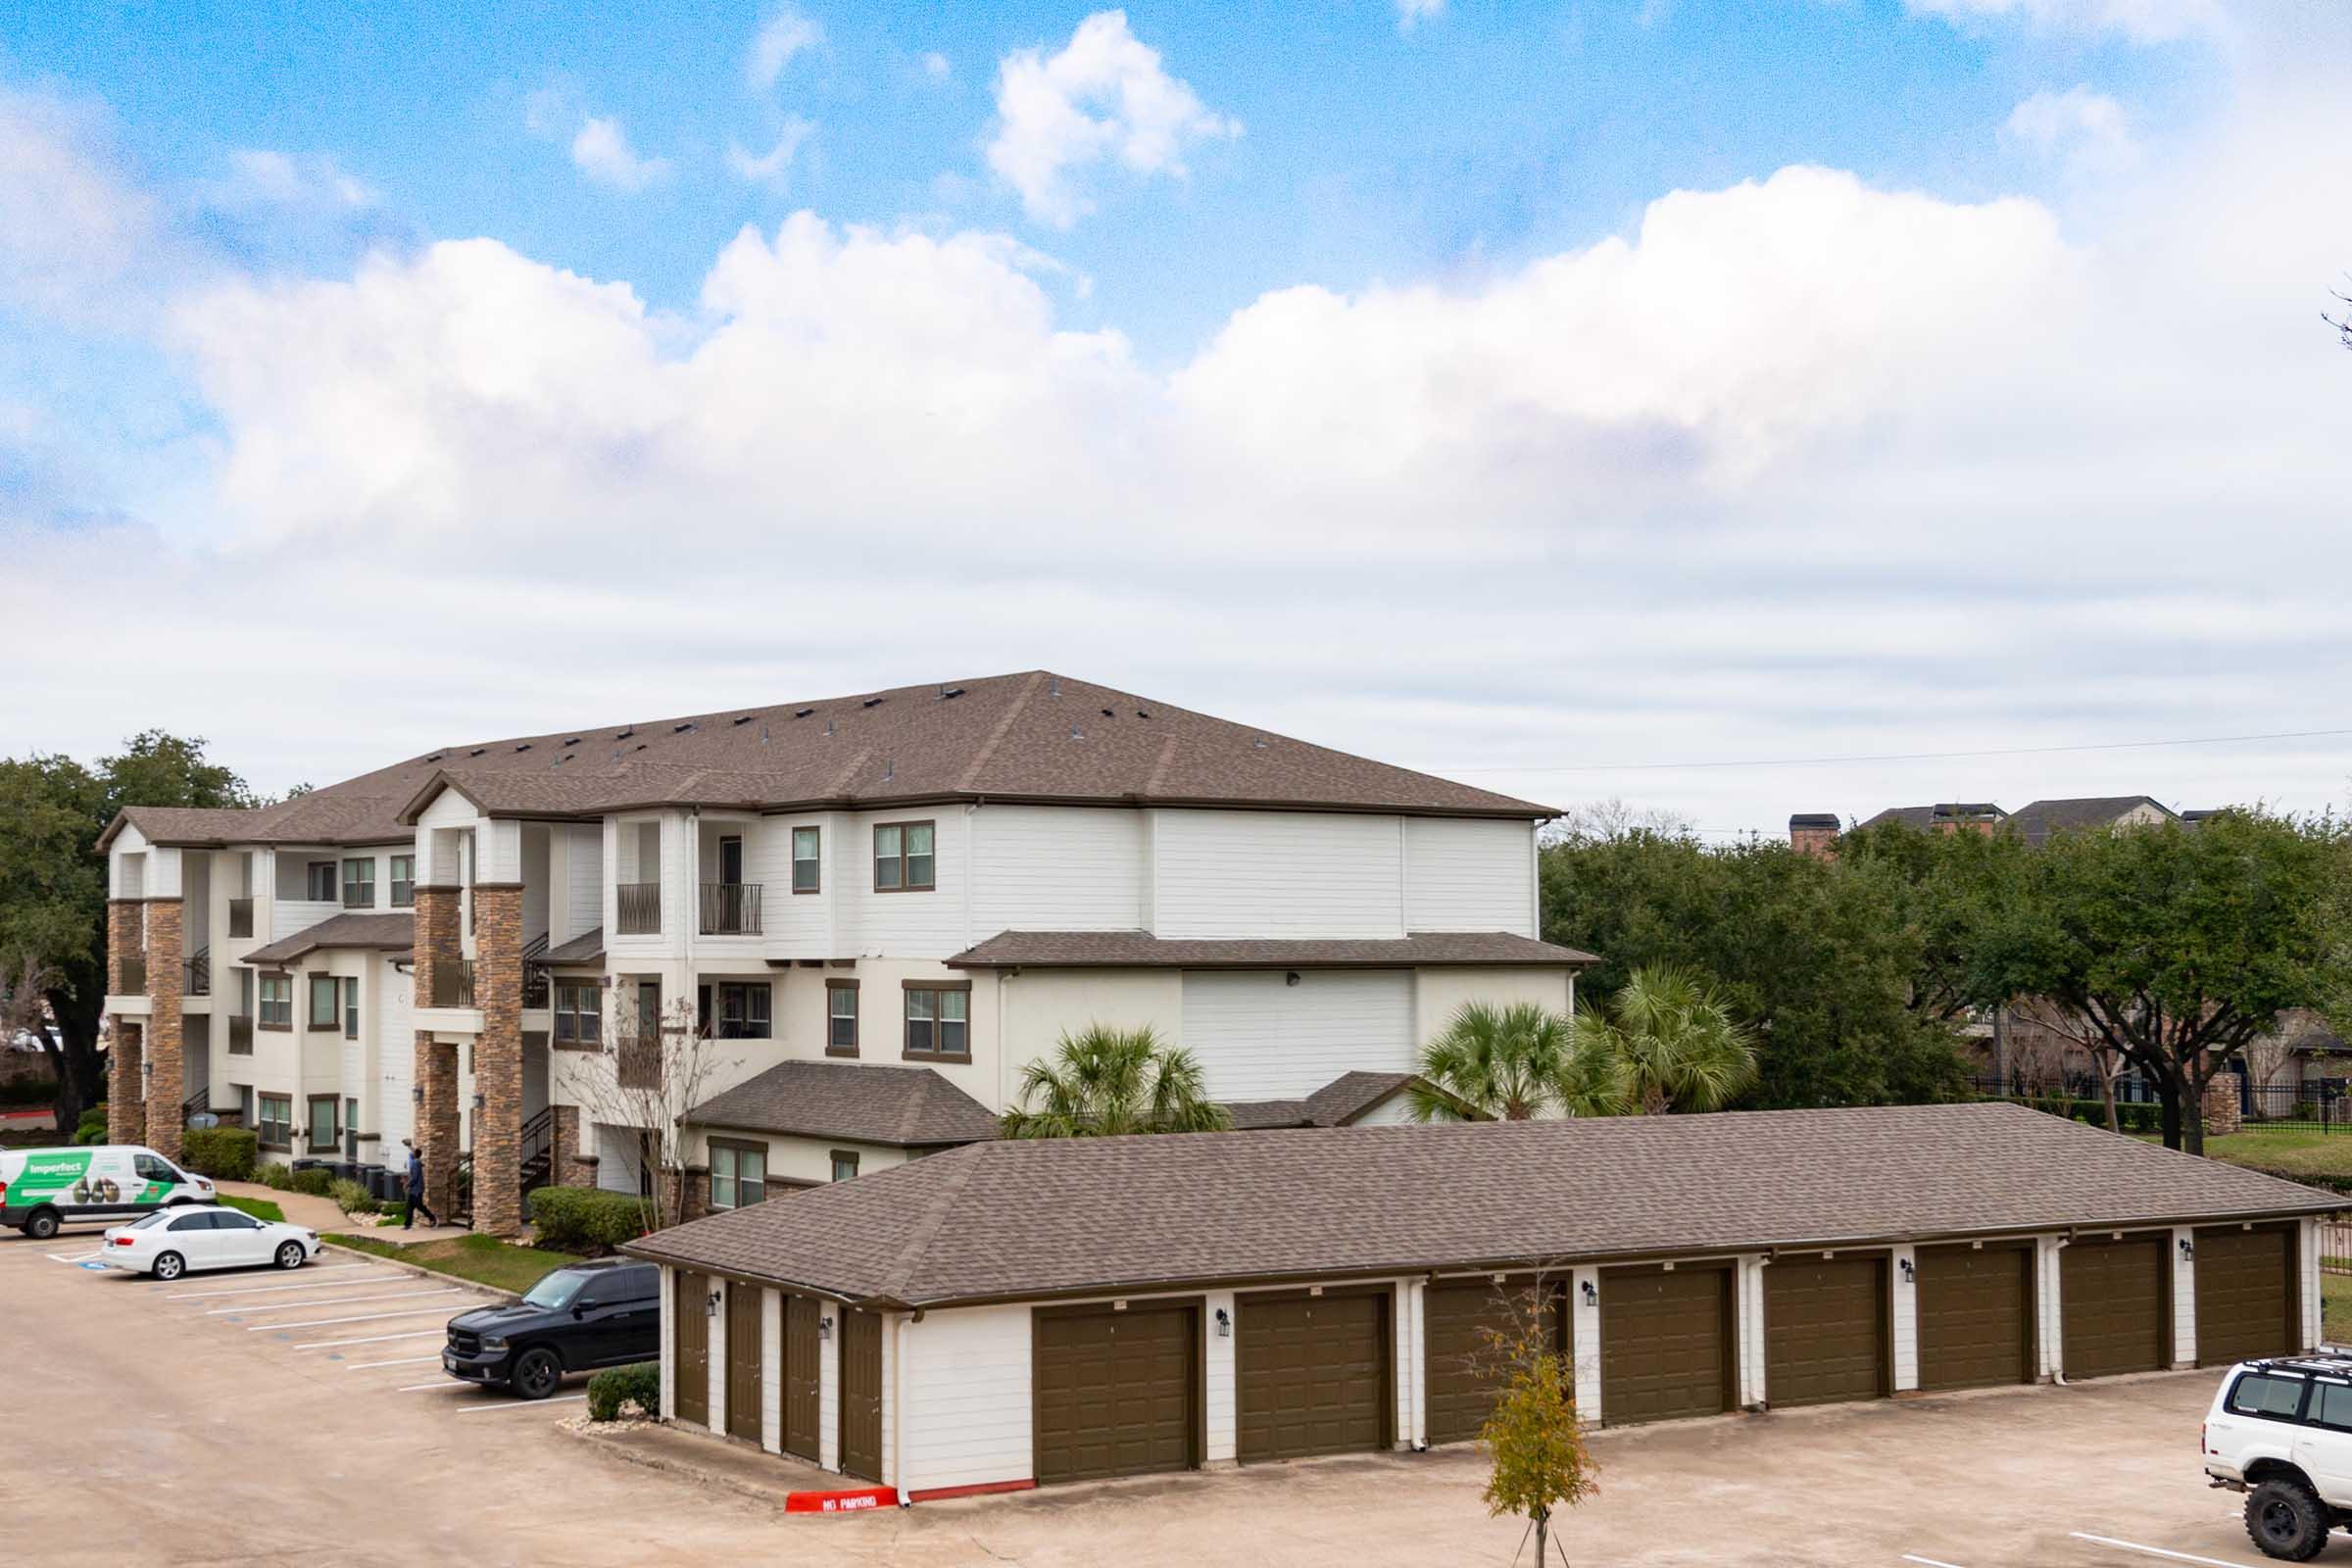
1014	1314
1134	1386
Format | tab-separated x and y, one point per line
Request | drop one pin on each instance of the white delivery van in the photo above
41	1189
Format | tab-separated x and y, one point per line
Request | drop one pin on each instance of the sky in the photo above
1729	408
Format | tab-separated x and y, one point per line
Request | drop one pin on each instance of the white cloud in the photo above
263	178
2088	127
935	65
1102	96
783	33
2145	20
73	223
601	151
1411	13
771	167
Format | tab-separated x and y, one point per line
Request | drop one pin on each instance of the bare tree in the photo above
1606	822
648	1078
2059	1031
2342	323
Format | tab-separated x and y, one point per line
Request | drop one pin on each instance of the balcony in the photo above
240	918
132	980
453	984
196	974
640	909
639	1065
240	1037
730	909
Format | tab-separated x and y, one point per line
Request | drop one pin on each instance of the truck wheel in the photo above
2285	1519
42	1225
536	1375
168	1266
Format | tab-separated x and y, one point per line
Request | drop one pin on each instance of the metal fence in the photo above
2335	1247
2323	1106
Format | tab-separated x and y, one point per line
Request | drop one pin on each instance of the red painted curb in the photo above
852	1501
978	1488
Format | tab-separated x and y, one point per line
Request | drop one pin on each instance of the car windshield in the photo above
554	1291
150	1221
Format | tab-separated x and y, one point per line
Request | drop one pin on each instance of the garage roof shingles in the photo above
1026	1219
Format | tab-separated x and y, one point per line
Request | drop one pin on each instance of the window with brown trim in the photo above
807	860
327	1003
274	1120
278	1002
318	881
358	883
845	1164
743	1009
403	881
578	1010
351	1010
323	1132
904	860
939	1025
841	1017
738	1173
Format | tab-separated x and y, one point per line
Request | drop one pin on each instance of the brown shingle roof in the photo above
1140	950
865	1102
1023	1219
586	948
1334	1104
389	931
2039	821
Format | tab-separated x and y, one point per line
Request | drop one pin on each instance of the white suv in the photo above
2281	1432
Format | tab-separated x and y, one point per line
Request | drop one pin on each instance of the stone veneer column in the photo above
498	1058
166	1075
125	1103
697	1179
571	1162
437	1123
2221	1111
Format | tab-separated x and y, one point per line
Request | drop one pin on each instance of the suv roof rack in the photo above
2329	1358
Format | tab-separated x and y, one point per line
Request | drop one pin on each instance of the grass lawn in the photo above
2335	1309
259	1208
483	1259
2289	1154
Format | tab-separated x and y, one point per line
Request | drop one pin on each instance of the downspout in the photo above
1764	1405
898	1410
2058	1349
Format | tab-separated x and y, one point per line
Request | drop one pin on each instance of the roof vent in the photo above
680	729
565	758
763	734
745	719
871	702
947	692
478	750
524	747
1108	713
1076	733
626	733
1142	713
802	712
436	756
829	726
890	769
1258	744
640	746
574	741
1054	686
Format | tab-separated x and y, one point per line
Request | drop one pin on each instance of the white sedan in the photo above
171	1241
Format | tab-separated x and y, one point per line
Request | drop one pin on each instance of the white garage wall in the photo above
1277	874
1259	1038
1439	994
1469	875
966	1383
1057	868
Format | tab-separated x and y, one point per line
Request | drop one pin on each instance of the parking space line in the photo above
370	1339
78	1257
2155	1551
256	1289
357	1317
402	1360
444	1385
575	1398
1927	1562
332	1300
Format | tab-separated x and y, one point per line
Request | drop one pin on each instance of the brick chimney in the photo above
1814	833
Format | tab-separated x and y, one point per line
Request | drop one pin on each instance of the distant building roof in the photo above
388	931
2039	821
1336	1104
1928	817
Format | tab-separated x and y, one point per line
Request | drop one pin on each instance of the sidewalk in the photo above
321	1214
713	1461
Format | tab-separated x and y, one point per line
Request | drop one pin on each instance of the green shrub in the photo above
19	1092
315	1183
2136	1116
351	1197
617	1386
585	1219
275	1176
92	1127
224	1153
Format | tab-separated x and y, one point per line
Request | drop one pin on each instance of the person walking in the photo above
416	1204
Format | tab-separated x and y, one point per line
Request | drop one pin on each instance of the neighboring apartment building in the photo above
886	905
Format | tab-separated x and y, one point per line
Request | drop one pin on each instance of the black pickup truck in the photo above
578	1318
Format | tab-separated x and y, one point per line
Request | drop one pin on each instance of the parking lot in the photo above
263	1417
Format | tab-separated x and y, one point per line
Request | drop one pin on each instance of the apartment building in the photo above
869	914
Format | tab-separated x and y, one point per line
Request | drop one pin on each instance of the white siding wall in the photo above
2306	1253
584	882
1057	868
1464	874
909	925
2184	1297
1747	1324
1259	1038
1410	1372
1585	1328
395	1114
771	1372
2049	1311
1277	874
618	1159
1219	1444
1906	1320
967	1386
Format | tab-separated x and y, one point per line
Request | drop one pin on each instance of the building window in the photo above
903	857
358	883
351	1010
738	1173
325	995
322	1129
274	1120
939	1022
841	1017
845	1165
278	1002
743	1010
580	1005
403	881
807	869
321	881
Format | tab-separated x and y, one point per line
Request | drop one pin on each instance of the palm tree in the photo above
1512	1063
1103	1082
1676	1037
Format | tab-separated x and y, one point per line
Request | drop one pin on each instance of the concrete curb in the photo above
618	1446
453	1280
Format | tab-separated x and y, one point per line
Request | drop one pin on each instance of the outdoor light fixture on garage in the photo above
416	1095
1290	977
1224	1324
710	1304
477	1099
824	1328
1910	1273
2188	1251
1591	1294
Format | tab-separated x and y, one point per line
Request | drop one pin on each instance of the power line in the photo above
1905	757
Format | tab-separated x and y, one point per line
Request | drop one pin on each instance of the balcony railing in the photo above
640	1060
240	918
453	984
730	909
240	1037
196	975
132	981
639	911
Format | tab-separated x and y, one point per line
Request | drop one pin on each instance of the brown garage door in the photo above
803	1395
1825	1329
690	1356
1313	1374
861	1395
1118	1393
743	1361
2115	1301
1975	1315
1665	1343
2246	1297
1460	1320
